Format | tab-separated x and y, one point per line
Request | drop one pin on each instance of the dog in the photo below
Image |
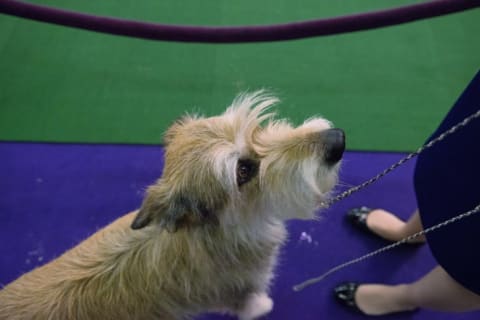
207	235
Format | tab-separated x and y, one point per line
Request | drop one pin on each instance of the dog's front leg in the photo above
256	305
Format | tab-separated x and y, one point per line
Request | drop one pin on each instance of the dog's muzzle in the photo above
334	145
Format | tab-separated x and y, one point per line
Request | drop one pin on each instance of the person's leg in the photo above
436	291
390	227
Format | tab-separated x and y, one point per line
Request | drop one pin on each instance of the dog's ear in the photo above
186	211
174	212
142	219
148	216
151	207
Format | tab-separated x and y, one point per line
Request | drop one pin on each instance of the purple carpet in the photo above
52	196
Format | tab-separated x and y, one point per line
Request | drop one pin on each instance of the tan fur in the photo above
202	242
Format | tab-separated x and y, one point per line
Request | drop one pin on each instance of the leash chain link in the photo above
349	192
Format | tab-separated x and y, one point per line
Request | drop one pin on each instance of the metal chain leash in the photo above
309	282
442	136
350	191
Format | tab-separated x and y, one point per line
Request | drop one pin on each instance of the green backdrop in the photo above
388	88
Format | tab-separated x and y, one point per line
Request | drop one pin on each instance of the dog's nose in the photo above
334	145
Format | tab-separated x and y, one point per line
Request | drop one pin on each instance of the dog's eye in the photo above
246	170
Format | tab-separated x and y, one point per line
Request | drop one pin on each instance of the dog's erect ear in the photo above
173	213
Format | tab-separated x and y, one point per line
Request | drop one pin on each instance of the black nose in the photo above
334	145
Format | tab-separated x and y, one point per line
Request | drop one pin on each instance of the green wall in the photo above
388	88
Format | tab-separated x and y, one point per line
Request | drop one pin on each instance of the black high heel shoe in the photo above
345	294
358	217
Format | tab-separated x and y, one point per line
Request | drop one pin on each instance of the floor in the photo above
55	195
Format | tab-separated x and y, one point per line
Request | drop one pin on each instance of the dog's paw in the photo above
257	305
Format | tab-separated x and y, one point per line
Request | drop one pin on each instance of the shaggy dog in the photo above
207	235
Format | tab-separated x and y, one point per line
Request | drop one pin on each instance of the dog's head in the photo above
242	165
